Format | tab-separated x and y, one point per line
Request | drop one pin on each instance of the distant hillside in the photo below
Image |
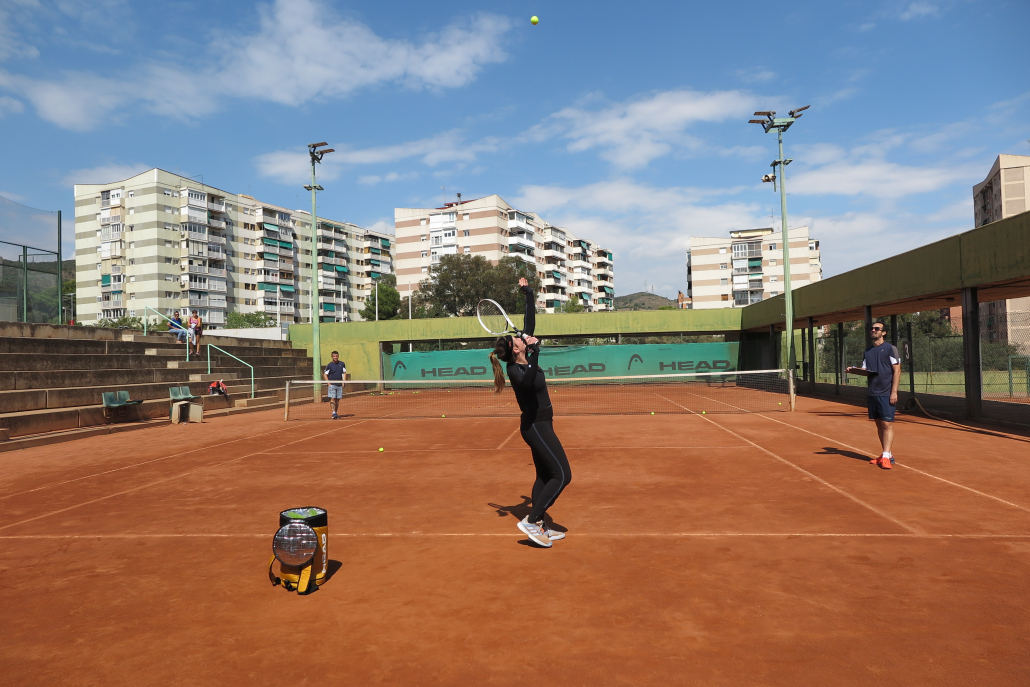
642	301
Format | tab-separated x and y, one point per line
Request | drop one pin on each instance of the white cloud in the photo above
8	105
104	173
874	177
300	52
919	9
648	228
373	179
293	166
756	75
631	134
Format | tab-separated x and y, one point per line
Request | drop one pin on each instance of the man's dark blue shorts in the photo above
880	408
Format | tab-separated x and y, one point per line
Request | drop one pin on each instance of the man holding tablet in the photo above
333	372
882	365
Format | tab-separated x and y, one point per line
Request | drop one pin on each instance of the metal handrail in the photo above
171	321
210	346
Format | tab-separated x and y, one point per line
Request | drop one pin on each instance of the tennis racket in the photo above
494	320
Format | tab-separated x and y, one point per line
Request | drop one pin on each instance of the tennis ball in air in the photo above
704	412
652	412
380	448
534	20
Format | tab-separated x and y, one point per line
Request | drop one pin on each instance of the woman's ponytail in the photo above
498	373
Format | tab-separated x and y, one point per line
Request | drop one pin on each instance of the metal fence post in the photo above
25	284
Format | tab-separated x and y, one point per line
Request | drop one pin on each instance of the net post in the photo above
286	408
790	388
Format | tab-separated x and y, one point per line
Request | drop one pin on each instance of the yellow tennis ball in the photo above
652	412
443	416
534	20
380	448
703	412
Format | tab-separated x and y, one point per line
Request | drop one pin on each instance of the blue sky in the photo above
625	122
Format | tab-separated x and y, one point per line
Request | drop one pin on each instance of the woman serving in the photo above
527	381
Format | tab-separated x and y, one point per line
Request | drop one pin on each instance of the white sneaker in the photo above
555	535
536	534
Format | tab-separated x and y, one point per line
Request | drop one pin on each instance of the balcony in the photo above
520	224
217	207
215	317
522	241
198	302
214	238
198	269
193	219
196	202
445	219
216	285
216	223
325	260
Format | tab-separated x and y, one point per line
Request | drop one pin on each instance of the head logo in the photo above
633	358
400	365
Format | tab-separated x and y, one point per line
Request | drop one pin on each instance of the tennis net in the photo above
704	392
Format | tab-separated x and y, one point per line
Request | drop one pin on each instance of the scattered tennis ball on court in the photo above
380	448
443	416
534	20
703	412
652	412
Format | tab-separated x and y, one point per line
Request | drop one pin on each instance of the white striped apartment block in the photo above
747	267
161	241
569	267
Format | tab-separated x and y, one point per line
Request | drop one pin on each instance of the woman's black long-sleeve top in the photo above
527	381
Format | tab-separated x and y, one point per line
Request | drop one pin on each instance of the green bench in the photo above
117	403
178	394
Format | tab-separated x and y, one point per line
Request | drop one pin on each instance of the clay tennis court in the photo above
714	550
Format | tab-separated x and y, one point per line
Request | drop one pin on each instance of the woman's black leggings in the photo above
552	467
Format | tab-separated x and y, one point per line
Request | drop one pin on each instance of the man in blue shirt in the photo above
882	365
334	371
175	327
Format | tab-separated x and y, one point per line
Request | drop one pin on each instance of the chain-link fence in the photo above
29	276
935	362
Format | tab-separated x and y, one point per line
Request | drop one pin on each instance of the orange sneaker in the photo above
885	462
875	461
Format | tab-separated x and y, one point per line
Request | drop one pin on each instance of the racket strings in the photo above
493	318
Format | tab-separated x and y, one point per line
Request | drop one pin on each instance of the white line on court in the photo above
840	491
908	467
598	535
168	479
136	465
514	432
514	448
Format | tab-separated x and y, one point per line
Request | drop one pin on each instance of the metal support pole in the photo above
813	357
804	355
25	284
868	326
377	301
60	275
841	363
971	352
894	330
911	362
316	340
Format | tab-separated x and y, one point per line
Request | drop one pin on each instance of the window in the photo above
423	222
466	216
132	296
725	297
722	251
422	237
724	282
131	194
772	246
772	263
425	254
425	270
132	279
722	265
468	249
132	211
465	232
773	278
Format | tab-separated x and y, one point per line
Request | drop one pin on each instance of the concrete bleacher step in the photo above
256	401
224	377
184	365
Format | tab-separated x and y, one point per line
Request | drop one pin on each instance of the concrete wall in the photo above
359	342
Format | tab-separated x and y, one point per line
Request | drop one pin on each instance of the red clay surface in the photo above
726	550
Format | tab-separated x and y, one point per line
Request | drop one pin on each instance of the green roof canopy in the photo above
287	289
269	242
385	243
329	307
374	275
286	244
272	227
264	286
341	268
270	256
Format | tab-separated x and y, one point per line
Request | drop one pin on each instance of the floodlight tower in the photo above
316	351
779	125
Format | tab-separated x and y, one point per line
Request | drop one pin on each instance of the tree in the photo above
388	297
573	305
458	282
239	320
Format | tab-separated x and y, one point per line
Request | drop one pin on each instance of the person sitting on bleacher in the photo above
176	327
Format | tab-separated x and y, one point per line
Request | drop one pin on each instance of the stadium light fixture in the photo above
779	125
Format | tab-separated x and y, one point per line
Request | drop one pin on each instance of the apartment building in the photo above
1002	194
747	267
1005	190
569	267
165	242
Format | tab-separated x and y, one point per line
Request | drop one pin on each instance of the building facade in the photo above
747	267
1002	194
570	267
163	242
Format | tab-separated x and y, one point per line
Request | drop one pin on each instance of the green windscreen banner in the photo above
570	361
